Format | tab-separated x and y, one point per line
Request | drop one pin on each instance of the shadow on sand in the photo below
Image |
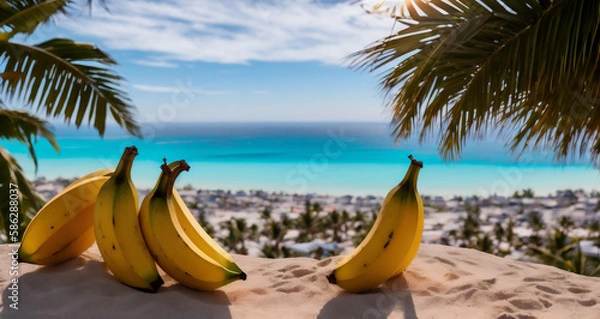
83	287
377	303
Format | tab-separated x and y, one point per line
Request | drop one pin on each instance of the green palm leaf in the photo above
525	69
67	79
29	200
25	16
25	128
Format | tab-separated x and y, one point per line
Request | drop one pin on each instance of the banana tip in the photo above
132	149
415	162
156	284
184	165
243	276
331	278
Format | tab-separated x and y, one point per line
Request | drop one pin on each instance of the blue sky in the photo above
237	60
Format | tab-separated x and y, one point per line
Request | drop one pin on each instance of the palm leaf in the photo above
25	16
67	79
29	201
25	128
460	69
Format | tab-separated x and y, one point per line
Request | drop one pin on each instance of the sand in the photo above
442	282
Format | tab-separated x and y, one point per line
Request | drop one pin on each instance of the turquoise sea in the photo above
329	158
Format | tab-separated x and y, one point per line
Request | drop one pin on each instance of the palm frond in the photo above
29	201
69	80
459	69
24	127
25	16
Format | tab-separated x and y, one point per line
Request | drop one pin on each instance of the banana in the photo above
190	226
61	229
118	233
392	243
170	245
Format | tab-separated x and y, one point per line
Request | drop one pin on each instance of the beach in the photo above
442	282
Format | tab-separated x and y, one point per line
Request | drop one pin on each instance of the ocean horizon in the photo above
336	158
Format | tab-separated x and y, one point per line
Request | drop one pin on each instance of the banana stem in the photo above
413	172
413	161
168	177
123	170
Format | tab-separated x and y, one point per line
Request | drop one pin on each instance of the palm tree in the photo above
524	70
485	244
59	78
566	224
207	226
499	233
594	229
564	252
363	226
235	239
333	222
510	232
275	231
307	223
536	223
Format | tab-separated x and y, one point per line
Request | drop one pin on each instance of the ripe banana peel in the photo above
199	263
190	226
391	244
63	228
118	232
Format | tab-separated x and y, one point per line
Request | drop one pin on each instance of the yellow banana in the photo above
118	232
192	229
61	229
172	248
391	244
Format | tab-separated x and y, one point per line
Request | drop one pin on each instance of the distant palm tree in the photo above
528	193
594	229
536	223
363	225
235	239
566	224
253	232
510	232
59	78
485	244
499	233
275	231
265	214
307	223
565	253
208	228
470	229
346	221
526	70
333	222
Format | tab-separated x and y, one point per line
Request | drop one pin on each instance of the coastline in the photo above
443	215
447	180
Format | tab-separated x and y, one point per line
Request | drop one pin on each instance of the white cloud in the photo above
156	64
178	89
234	31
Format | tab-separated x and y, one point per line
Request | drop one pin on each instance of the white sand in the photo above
442	282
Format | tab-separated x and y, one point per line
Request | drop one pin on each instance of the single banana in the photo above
190	226
61	229
391	244
171	247
117	229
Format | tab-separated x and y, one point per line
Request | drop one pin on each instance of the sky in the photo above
237	60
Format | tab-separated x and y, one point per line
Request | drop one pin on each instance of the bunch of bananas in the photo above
103	206
392	242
